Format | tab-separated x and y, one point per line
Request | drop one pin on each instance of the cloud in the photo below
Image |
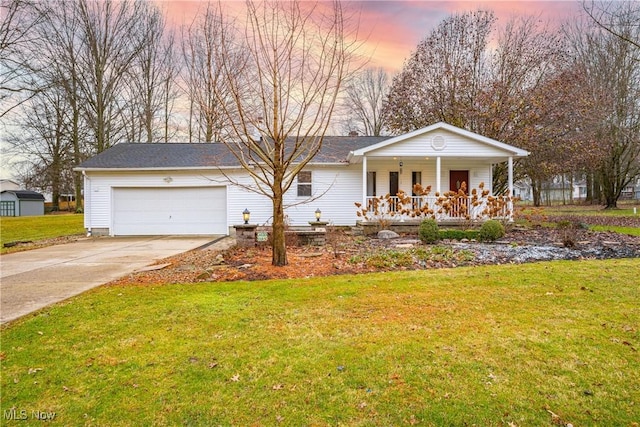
391	30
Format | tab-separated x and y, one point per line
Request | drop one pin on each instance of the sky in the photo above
391	30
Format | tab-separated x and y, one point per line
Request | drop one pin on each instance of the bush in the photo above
389	259
569	232
458	234
428	231
491	230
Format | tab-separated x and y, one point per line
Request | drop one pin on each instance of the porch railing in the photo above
457	208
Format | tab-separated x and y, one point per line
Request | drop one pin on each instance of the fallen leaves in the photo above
310	261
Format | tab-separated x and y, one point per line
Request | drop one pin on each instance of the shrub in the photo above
389	259
428	231
491	230
569	231
458	234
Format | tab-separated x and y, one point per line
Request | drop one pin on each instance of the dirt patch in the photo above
348	254
12	247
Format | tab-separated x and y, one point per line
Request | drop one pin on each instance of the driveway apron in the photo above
33	279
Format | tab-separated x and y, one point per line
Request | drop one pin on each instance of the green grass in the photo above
33	228
632	231
624	209
470	346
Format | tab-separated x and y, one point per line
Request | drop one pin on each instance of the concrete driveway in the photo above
34	279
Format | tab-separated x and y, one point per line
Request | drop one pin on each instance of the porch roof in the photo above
440	139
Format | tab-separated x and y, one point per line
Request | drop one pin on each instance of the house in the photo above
8	184
21	203
161	189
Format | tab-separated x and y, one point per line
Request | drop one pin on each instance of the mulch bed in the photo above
346	254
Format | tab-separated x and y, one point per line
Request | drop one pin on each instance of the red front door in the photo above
459	204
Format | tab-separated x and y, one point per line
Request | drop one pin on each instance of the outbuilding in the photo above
21	203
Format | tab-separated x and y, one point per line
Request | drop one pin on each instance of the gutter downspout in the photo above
87	206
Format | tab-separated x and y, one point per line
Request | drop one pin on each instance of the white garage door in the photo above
163	211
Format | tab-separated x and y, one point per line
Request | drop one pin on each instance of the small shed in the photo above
21	203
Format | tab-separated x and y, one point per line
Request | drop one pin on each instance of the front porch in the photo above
440	172
450	208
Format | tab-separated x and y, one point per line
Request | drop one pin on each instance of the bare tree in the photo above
151	81
528	56
444	76
364	101
617	18
286	88
612	69
42	140
204	62
454	77
111	38
16	58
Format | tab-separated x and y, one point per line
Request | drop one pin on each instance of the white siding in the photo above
335	189
421	146
479	171
334	192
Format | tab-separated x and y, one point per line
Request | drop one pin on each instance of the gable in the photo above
441	140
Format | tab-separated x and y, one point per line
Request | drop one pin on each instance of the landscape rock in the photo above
387	234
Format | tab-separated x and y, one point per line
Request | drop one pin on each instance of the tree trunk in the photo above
610	186
279	246
535	191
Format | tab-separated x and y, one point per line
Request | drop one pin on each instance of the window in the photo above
416	178
371	184
7	208
304	184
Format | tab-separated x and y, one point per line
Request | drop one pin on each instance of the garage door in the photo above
163	211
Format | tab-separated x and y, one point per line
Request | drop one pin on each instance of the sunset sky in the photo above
392	29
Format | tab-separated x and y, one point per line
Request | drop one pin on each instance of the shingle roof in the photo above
26	194
335	149
170	155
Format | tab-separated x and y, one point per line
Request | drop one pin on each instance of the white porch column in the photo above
364	181
510	163
438	179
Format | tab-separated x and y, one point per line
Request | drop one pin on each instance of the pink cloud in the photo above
391	30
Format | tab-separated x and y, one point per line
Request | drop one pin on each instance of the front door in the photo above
416	178
459	204
457	178
393	189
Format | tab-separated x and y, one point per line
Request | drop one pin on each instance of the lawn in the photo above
34	228
625	208
632	231
533	344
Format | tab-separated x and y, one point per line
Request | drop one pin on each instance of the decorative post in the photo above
510	204
438	178
364	181
246	233
317	224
